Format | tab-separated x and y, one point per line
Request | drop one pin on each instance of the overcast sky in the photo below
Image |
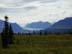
27	11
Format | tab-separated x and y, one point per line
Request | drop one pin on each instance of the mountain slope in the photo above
66	23
62	26
38	25
16	28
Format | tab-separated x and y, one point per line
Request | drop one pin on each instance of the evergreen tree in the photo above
5	34
40	32
10	35
45	32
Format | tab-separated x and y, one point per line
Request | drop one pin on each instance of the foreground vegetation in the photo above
40	44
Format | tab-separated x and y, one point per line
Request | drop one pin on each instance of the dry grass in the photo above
40	44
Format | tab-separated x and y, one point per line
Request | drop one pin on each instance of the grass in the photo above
40	44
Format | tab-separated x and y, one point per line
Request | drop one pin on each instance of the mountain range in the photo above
62	26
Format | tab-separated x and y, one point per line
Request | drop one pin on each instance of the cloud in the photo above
2	10
17	10
41	0
10	10
25	11
29	0
30	8
20	3
48	1
11	3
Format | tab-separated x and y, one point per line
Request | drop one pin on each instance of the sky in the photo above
27	11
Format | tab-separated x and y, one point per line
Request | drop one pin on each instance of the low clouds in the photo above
30	8
17	10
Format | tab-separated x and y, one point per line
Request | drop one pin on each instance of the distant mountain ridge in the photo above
38	25
62	26
65	23
1	25
16	28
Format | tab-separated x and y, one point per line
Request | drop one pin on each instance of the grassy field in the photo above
40	44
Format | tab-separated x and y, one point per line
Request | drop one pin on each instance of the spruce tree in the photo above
5	34
10	35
